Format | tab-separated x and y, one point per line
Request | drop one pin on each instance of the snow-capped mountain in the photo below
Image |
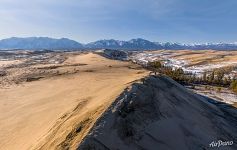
33	43
215	46
131	44
142	44
105	44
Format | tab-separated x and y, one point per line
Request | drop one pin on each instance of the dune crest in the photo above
161	114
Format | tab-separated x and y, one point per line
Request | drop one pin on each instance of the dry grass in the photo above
201	57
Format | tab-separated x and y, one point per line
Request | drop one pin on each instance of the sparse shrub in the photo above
218	89
206	87
204	78
3	73
233	85
215	77
155	64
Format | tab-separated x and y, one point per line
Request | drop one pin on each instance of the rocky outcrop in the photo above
116	54
160	114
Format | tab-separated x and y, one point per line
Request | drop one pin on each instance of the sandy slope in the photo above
160	114
57	112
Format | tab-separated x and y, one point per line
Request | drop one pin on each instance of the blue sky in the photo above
185	21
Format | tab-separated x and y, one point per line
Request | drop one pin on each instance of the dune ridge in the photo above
46	113
161	114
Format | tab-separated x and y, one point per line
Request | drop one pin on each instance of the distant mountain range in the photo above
132	44
142	44
35	43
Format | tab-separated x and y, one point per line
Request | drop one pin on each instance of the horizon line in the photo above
84	43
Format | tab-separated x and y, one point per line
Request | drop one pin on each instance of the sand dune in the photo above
48	113
160	114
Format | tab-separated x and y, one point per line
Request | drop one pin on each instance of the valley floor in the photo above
223	95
